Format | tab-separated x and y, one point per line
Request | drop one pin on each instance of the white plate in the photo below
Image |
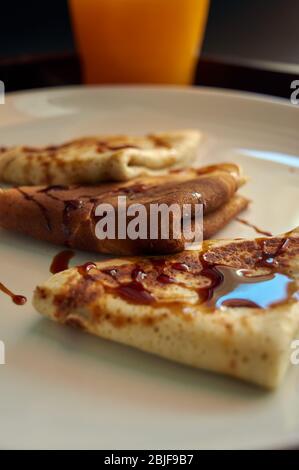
63	389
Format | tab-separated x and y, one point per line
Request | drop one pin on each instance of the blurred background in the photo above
248	45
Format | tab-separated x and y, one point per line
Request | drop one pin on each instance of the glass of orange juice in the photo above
139	41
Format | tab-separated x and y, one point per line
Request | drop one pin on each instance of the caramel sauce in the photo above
17	299
231	288
258	230
239	303
84	269
259	287
165	279
137	274
61	261
215	277
135	292
110	272
227	286
180	266
69	207
268	259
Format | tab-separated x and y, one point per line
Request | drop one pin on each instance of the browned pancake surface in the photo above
66	214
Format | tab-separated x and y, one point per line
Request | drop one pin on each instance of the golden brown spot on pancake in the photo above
45	163
244	322
55	148
229	328
42	292
81	293
233	364
245	254
238	255
28	163
28	149
122	320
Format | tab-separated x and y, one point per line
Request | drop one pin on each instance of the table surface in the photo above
46	70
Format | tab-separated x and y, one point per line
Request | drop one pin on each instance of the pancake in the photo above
231	307
91	160
66	215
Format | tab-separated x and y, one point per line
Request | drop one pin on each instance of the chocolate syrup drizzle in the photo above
257	230
42	209
69	207
72	205
84	269
134	291
61	261
230	287
16	298
226	286
268	259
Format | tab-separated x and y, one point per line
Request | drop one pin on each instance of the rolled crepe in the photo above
188	307
91	160
67	215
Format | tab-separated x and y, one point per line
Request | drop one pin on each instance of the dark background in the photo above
243	37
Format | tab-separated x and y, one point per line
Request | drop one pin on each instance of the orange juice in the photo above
139	41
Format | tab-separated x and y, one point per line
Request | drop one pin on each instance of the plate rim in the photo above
192	89
292	440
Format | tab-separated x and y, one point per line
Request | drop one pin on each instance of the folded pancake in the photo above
90	160
232	307
67	214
